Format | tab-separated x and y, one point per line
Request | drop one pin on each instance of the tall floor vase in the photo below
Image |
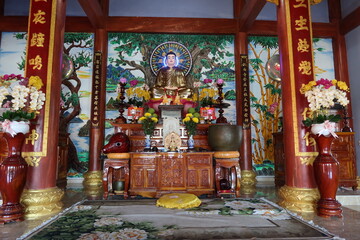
13	172
326	169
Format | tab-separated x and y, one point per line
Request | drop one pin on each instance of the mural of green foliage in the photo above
208	53
265	98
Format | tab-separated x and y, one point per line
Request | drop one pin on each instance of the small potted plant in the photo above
190	121
148	122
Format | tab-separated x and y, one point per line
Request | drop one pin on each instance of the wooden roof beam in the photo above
94	12
249	13
350	22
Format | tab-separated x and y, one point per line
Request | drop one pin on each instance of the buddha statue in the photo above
171	81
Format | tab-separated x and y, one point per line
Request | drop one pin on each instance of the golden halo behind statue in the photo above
183	56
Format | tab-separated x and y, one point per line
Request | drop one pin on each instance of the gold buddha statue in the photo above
170	81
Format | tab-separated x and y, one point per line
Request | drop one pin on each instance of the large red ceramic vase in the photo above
13	172
326	170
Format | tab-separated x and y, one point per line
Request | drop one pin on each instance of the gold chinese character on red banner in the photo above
36	62
305	67
301	3
307	114
37	40
40	0
39	17
303	45
301	23
309	141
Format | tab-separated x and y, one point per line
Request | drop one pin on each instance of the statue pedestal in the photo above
156	104
171	111
171	117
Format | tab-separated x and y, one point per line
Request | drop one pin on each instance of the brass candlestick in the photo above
121	104
221	105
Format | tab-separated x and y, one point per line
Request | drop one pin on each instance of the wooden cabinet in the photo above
154	174
199	172
171	172
342	148
143	174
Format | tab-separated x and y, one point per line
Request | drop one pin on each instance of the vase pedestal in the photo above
13	171
326	170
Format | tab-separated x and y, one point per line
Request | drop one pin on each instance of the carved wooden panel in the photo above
342	149
172	170
153	174
200	171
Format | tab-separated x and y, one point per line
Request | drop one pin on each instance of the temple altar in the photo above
152	174
137	137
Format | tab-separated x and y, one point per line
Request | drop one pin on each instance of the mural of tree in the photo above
265	99
70	94
207	51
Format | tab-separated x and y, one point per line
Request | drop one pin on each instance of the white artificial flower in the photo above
3	93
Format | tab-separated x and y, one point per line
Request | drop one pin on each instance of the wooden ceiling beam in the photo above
161	25
94	12
350	22
13	23
171	25
249	13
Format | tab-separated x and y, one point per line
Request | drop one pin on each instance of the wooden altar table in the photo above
153	174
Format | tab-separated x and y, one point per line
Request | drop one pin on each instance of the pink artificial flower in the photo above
7	127
207	80
330	127
123	80
7	104
133	83
273	107
220	81
325	82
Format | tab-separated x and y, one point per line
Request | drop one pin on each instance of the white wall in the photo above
353	53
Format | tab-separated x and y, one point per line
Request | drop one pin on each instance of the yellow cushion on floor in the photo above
178	200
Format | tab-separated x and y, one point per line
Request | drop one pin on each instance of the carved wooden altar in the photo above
154	174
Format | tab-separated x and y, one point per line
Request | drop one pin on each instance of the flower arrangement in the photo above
191	120
322	95
137	96
22	96
208	92
149	121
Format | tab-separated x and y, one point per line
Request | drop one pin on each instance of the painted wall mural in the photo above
76	101
266	111
129	57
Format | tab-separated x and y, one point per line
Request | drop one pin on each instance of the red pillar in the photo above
93	178
296	56
43	59
248	176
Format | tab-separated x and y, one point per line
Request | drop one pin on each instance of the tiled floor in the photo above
346	227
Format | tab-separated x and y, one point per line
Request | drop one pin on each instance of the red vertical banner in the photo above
301	70
297	68
39	63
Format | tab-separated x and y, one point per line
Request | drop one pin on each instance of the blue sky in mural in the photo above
9	53
324	59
